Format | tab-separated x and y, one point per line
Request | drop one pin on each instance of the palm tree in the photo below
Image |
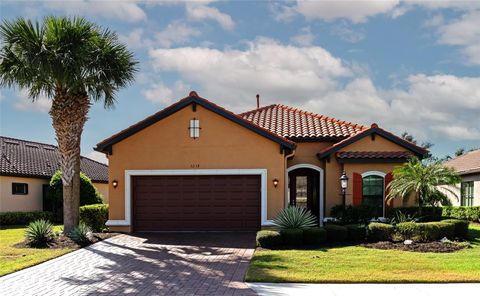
422	180
74	63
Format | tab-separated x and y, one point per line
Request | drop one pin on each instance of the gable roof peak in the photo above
193	94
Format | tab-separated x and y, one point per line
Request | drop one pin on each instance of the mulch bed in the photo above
63	241
435	247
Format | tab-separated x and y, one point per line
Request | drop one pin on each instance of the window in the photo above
301	191
466	192
20	188
194	128
372	187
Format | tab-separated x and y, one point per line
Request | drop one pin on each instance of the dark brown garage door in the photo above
179	203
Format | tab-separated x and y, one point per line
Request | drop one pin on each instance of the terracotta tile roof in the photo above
374	154
468	163
38	160
294	123
374	129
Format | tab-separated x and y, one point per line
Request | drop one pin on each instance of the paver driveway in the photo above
145	264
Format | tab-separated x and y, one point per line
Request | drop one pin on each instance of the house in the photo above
197	166
26	168
467	193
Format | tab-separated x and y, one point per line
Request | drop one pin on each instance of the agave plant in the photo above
81	233
39	232
295	218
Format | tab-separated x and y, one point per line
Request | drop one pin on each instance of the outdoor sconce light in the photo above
114	183
344	185
194	128
275	183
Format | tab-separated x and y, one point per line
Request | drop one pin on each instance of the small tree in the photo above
421	180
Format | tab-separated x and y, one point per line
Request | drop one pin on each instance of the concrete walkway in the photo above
150	264
365	289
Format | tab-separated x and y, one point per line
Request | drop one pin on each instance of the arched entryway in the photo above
305	188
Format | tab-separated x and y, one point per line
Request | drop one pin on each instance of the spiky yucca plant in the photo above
39	232
293	217
81	233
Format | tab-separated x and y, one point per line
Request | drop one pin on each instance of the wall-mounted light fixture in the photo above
344	185
114	183
194	128
275	182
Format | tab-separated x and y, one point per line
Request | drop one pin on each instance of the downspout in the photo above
286	177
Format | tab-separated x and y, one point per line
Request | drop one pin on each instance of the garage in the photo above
196	203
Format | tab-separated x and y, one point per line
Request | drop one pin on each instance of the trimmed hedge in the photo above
353	214
424	232
292	237
379	232
461	227
23	218
464	213
268	239
427	213
94	216
356	232
314	236
336	233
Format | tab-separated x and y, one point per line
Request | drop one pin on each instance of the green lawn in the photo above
13	259
357	264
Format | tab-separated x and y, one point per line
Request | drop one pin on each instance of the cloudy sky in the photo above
407	65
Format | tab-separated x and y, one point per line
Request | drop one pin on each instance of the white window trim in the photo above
380	174
308	166
127	221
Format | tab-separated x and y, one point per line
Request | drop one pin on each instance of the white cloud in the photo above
97	156
162	94
175	33
344	32
24	102
200	12
126	10
463	32
436	106
304	37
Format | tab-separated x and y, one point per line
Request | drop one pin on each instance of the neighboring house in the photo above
197	166
467	193
25	171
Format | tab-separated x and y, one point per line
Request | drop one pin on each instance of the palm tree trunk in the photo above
69	114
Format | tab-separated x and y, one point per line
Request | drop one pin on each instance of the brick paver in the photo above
150	264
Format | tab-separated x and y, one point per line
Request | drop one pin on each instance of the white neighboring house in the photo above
468	167
25	171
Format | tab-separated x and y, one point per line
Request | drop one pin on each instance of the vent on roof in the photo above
11	142
48	148
31	146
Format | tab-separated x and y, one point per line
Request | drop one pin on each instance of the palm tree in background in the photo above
74	63
422	180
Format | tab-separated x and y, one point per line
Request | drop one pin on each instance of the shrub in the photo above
379	232
400	217
268	239
81	234
292	237
94	216
446	230
336	233
424	214
425	232
23	218
39	232
295	218
356	232
53	201
461	227
314	236
353	214
464	213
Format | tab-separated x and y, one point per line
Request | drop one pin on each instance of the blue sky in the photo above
407	65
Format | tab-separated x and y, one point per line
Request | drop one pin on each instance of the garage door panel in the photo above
196	202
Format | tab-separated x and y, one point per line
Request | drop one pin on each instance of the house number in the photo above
195	166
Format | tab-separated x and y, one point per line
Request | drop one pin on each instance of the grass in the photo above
355	264
13	259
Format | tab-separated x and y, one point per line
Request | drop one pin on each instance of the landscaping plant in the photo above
379	232
39	233
336	233
293	217
268	239
314	236
94	216
81	234
74	63
421	179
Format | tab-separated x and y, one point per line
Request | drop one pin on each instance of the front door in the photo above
304	189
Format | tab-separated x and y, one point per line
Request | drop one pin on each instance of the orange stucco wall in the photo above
222	144
102	188
307	153
334	170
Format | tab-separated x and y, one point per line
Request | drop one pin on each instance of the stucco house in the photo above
197	166
26	168
467	193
